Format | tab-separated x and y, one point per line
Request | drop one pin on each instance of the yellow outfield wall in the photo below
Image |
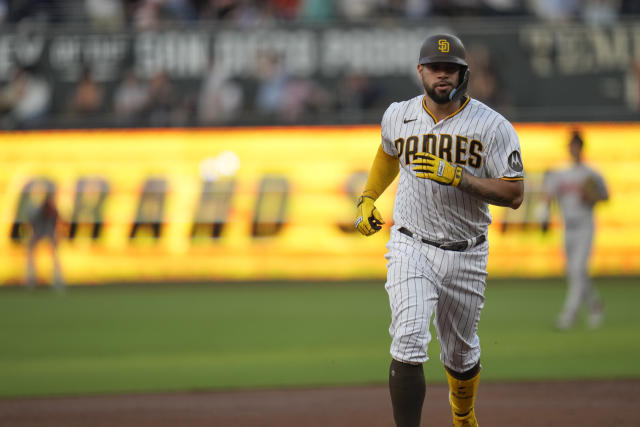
320	169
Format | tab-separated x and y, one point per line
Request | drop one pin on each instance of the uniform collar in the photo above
424	105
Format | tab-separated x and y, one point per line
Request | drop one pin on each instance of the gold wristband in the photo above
457	176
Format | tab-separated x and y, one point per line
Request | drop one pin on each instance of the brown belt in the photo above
458	246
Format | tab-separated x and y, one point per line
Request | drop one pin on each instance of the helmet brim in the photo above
443	58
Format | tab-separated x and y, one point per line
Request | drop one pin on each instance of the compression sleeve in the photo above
383	171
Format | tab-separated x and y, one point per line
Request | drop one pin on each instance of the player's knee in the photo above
410	349
464	375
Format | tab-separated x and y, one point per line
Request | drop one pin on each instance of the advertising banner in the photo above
271	203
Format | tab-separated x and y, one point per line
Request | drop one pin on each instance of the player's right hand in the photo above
369	220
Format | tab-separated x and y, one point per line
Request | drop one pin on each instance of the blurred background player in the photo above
577	189
43	220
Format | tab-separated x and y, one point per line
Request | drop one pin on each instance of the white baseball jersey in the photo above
475	137
566	185
424	280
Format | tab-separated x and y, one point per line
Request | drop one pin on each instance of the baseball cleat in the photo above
595	319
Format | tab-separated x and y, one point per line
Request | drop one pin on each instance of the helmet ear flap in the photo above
461	90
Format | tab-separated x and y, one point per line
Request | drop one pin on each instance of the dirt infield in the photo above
583	403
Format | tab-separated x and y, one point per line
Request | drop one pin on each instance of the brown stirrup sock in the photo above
407	388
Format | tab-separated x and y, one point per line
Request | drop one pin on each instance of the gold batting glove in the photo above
369	220
428	166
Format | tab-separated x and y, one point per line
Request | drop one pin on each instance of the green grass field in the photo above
139	338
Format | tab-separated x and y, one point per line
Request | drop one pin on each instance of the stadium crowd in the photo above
27	98
146	14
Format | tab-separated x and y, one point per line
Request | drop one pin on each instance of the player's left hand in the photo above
369	220
428	166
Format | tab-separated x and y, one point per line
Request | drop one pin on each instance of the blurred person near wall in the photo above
358	93
162	101
219	99
600	12
217	10
282	96
285	9
630	7
35	11
356	10
555	10
105	14
147	14
43	221
316	10
303	98
577	188
88	96
130	99
506	7
4	11
484	85
183	10
24	100
272	79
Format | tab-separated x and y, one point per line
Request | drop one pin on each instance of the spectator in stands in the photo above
130	99
255	13
42	11
147	14
181	10
88	96
301	98
358	92
219	97
630	7
356	10
417	9
600	12
316	10
272	82
25	100
456	8
282	96
285	9
4	11
105	14
506	7
555	10
162	100
215	10
483	86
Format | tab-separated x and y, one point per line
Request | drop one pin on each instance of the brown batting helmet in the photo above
443	48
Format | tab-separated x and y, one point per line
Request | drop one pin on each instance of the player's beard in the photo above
438	97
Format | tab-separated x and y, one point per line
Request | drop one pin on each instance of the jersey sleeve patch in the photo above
515	161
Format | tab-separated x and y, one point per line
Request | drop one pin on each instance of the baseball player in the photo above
455	156
577	188
43	220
